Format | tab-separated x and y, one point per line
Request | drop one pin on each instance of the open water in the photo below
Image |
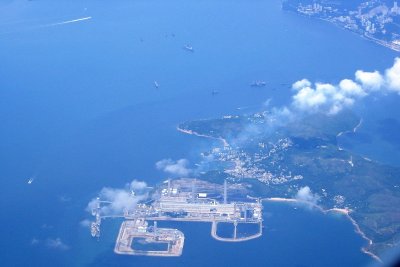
79	111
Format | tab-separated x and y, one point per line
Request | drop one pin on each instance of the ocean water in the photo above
79	111
378	137
292	236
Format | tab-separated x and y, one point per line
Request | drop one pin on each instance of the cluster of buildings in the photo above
374	19
313	9
263	164
185	200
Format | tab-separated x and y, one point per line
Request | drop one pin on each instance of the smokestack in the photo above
225	192
169	187
194	189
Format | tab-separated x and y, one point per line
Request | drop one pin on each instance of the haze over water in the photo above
79	111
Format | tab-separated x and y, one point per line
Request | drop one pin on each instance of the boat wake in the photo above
68	22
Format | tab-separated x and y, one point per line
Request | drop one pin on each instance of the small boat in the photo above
30	181
188	48
156	85
258	84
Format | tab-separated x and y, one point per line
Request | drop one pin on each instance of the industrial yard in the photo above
187	200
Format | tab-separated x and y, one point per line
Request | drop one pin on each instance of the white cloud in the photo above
393	76
301	84
178	168
35	241
351	88
326	97
64	199
278	116
138	185
371	81
119	200
52	243
305	195
331	99
56	244
309	98
85	223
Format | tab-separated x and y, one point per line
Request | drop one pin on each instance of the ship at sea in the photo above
188	48
258	84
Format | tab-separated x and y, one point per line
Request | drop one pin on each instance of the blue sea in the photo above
79	111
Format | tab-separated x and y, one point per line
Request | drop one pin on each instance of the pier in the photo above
181	200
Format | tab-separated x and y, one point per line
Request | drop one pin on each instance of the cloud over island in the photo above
176	168
118	200
332	98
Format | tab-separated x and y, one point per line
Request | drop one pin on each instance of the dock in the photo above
138	230
182	200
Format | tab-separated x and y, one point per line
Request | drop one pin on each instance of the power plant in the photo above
188	200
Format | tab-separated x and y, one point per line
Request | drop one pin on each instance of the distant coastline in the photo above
365	37
325	13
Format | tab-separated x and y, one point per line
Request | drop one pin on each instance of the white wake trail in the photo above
70	21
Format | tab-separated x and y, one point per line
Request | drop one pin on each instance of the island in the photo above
260	157
278	158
